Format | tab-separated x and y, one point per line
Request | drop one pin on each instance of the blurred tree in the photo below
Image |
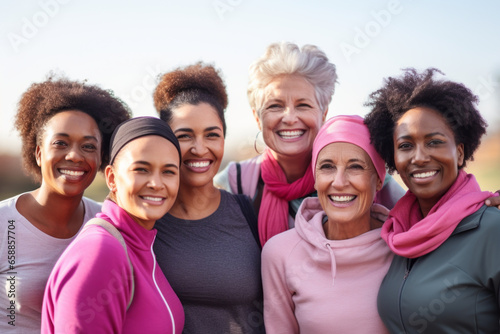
12	179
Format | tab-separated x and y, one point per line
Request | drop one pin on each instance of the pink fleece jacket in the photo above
89	287
315	285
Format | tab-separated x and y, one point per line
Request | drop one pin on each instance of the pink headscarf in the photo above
273	213
347	129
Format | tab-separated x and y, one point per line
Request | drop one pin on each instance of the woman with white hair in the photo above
289	91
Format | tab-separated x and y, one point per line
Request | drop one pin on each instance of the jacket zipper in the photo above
407	272
171	314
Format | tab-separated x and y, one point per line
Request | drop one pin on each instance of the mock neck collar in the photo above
134	233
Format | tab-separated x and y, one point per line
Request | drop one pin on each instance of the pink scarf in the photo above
411	236
273	212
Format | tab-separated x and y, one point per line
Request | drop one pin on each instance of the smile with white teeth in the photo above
198	164
71	172
286	134
426	174
342	198
154	199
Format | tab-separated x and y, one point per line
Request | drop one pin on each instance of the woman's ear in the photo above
109	173
324	115
257	118
38	155
460	155
380	184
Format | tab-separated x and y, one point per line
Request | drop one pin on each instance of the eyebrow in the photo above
274	100
62	134
426	136
348	161
302	99
142	162
210	128
356	160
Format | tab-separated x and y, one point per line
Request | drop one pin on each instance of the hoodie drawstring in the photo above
333	262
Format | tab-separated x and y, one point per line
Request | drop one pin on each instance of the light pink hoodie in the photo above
315	285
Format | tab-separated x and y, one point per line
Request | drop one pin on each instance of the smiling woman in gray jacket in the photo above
445	276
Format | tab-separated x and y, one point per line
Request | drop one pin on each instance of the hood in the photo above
309	222
358	251
309	226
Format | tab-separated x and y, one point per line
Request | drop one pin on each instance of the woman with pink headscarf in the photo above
323	276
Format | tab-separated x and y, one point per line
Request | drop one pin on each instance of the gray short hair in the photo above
287	58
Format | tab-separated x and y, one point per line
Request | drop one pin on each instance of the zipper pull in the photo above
408	267
407	272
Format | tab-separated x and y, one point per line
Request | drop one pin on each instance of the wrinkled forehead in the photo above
343	152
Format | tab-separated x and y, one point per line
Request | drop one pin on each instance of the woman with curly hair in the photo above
205	244
65	128
445	276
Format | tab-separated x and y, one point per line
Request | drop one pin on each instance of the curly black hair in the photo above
455	102
43	100
194	84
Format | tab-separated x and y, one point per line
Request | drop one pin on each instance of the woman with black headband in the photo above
108	280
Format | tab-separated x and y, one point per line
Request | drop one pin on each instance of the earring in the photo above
255	143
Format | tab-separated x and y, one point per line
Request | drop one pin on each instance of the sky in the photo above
124	45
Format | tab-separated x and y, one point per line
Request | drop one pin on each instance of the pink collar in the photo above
409	235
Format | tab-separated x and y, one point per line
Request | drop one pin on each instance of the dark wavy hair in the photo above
455	102
194	84
43	100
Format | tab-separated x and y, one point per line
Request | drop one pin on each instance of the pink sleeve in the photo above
88	289
279	316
